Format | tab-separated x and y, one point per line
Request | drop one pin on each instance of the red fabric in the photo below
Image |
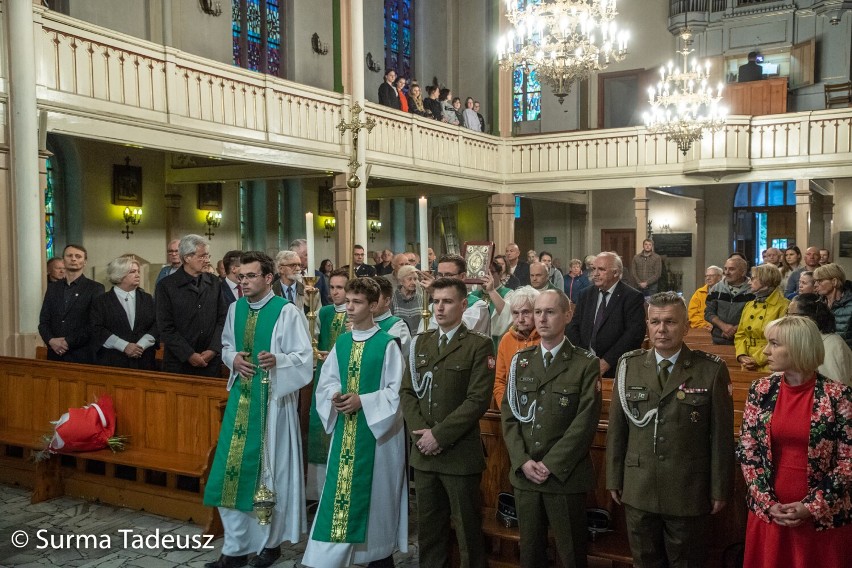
403	102
84	431
770	545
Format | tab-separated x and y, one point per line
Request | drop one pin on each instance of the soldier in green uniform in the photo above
670	443
550	415
445	391
331	321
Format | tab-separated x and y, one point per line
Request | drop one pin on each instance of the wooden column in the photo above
803	213
640	206
172	200
501	220
828	225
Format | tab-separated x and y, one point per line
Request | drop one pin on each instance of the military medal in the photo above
524	399
523	362
680	395
563	401
694	416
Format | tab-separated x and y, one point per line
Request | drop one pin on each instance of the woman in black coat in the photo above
124	324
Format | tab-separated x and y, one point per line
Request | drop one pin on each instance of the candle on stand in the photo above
309	237
424	235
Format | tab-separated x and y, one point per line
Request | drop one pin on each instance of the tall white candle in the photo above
424	235
309	236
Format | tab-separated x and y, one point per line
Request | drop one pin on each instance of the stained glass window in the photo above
526	88
257	32
399	37
49	209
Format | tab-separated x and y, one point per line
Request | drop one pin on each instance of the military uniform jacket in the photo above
462	383
567	400
691	462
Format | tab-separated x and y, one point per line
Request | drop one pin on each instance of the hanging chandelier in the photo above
562	40
683	104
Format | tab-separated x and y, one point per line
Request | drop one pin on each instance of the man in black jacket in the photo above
516	266
191	313
609	319
64	320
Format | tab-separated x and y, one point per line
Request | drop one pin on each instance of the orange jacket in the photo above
510	344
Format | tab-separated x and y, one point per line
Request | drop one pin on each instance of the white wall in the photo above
309	68
842	221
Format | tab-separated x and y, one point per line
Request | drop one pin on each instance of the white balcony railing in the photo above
95	75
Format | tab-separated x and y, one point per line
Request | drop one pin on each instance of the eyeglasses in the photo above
201	256
249	276
447	274
291	265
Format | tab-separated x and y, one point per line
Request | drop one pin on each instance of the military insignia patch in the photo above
694	416
564	401
524	363
492	362
524	399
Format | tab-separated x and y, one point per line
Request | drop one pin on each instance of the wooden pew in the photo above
172	422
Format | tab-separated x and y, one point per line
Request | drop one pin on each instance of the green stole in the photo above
236	466
332	325
344	510
387	323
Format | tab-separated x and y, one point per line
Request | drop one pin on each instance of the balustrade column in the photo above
24	157
501	220
803	213
640	206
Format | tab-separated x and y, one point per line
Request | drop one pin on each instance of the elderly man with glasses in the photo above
191	313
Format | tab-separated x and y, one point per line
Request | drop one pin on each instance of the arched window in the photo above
399	39
50	209
257	29
526	88
764	216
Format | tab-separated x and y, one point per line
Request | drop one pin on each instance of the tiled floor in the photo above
55	528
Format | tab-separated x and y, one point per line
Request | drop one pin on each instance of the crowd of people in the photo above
436	102
408	351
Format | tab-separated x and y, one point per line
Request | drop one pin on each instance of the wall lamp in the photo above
375	227
131	217
330	225
214	219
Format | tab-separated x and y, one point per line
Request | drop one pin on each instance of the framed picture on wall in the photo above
126	184
326	200
210	196
374	210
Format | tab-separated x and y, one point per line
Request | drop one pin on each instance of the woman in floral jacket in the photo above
796	455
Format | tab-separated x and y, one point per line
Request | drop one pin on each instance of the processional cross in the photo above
354	182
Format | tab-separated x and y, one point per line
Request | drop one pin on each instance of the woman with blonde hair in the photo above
768	305
836	291
124	326
799	479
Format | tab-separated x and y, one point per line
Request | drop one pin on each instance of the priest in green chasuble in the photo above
257	469
331	323
362	516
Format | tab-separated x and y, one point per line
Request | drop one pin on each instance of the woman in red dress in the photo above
796	455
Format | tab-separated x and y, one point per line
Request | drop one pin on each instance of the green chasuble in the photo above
234	475
388	323
344	510
332	325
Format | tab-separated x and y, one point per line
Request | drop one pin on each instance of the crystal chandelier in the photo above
683	104
559	40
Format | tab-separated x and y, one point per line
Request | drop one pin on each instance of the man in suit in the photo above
191	313
517	267
669	447
288	286
231	289
444	394
609	318
64	323
751	71
361	269
550	416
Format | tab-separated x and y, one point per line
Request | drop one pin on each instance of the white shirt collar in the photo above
673	358
123	295
383	317
554	352
262	302
233	285
340	309
364	334
450	334
611	290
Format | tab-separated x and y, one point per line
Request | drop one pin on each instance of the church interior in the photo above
130	123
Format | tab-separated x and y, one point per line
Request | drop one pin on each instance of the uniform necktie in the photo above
442	344
663	375
599	316
548	359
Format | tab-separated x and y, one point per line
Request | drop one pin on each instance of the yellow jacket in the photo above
696	309
749	339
